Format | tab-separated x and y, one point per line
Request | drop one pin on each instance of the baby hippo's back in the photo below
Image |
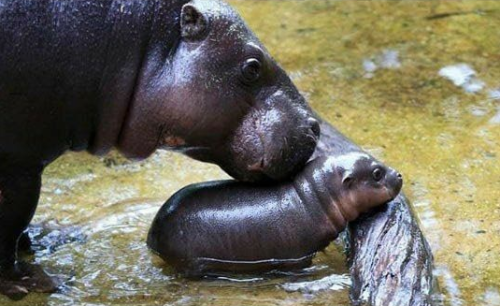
232	226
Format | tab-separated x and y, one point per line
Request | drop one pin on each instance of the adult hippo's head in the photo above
220	97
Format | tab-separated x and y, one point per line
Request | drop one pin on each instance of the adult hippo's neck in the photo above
71	68
141	44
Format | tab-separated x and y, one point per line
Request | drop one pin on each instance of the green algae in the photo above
442	139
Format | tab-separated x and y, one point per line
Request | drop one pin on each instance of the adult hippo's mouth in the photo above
273	150
257	154
264	170
266	167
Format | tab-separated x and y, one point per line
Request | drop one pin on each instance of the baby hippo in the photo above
229	226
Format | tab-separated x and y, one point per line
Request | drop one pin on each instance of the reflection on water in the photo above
449	284
462	75
388	59
491	297
373	69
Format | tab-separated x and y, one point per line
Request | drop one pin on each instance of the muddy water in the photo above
415	83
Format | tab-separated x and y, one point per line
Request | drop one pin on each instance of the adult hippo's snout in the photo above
274	141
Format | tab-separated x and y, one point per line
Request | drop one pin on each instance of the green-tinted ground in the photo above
444	141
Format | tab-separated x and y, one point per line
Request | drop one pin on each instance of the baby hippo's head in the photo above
365	182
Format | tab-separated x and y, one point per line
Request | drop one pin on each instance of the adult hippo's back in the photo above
136	75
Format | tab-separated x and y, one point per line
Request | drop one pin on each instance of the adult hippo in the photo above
137	75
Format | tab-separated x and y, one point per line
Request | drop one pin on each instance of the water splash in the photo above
333	282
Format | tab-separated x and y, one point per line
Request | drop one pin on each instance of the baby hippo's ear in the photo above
194	23
347	180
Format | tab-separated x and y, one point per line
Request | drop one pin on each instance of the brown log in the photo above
389	259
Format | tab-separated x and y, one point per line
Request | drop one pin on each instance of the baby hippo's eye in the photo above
377	174
251	70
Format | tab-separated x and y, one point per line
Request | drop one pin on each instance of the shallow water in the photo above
373	69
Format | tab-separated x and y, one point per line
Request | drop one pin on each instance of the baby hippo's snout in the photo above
394	183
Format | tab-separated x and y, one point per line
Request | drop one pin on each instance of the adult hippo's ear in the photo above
194	23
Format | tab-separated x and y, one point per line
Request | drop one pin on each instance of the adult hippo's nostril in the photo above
314	126
258	166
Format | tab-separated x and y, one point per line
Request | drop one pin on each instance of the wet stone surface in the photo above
372	68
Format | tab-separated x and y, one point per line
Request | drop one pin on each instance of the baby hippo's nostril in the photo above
400	177
314	126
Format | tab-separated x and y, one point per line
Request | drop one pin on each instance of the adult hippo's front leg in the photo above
19	191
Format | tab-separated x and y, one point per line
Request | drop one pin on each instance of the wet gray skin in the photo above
443	140
138	76
231	226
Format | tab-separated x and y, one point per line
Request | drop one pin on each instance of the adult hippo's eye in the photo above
251	70
377	174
